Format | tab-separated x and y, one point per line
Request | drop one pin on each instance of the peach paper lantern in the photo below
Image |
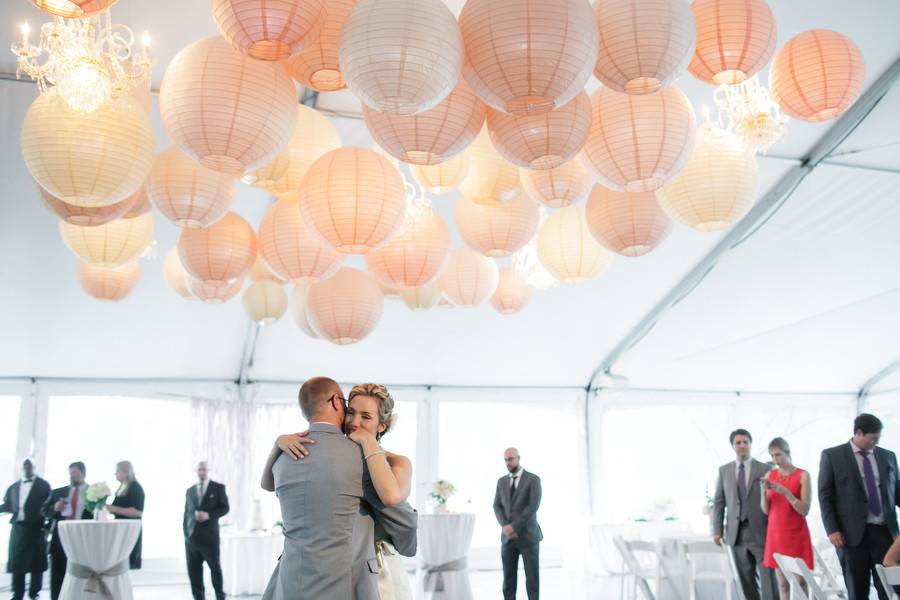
345	308
221	253
388	291
215	294
73	9
512	294
269	173
497	230
401	56
557	187
567	249
299	303
545	140
627	223
415	256
175	275
354	198
639	143
87	159
469	278
421	298
717	187
140	203
109	284
817	75
528	56
83	216
112	244
443	177
265	302
292	248
269	29
735	40
491	178
260	271
187	193
432	136
317	67
229	111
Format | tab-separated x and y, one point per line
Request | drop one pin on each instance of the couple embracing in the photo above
343	500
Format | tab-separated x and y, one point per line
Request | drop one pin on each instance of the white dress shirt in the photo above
24	490
872	519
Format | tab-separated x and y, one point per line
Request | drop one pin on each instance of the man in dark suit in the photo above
64	504
27	543
205	503
858	495
516	504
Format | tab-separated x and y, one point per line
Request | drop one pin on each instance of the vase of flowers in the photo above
95	500
440	493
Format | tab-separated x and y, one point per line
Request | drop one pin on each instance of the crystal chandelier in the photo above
88	61
750	111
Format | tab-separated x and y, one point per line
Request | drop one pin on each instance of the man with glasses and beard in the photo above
516	503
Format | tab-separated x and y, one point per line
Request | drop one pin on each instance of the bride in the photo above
369	415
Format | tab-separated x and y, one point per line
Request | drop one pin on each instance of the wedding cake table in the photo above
98	558
444	540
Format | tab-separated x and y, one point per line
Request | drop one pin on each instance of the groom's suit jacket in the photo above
330	509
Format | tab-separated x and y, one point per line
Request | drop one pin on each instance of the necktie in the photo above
74	514
199	492
742	492
512	485
871	486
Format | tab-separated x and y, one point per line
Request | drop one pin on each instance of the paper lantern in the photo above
512	294
421	298
388	291
83	216
528	56
260	271
73	9
401	56
817	75
187	193
317	67
627	223
292	248
112	244
639	143
354	198
229	111
644	44
567	249
109	284
345	308
269	173
219	254
468	278
215	294
557	187
269	29
299	304
717	187
175	275
87	159
735	40
140	203
491	178
542	141
443	177
432	136
313	136
265	302
415	256
500	229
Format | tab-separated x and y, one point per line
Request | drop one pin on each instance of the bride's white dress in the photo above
393	580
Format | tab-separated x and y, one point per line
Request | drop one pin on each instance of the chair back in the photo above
735	574
827	580
629	549
889	576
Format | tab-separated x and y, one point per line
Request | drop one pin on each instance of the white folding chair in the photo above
822	572
889	576
694	552
788	567
646	566
735	574
796	567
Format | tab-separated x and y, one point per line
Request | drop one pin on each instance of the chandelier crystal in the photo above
751	113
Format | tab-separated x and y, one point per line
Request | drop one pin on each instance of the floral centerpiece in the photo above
95	498
441	492
709	504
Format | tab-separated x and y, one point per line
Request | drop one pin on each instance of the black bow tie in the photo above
29	480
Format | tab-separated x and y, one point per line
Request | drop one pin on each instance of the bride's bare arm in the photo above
293	444
268	477
391	473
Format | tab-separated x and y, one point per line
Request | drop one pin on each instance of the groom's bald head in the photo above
316	395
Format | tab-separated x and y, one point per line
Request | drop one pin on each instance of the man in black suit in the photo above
27	543
205	503
858	494
64	504
516	504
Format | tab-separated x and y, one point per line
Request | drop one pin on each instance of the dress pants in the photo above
196	556
58	564
509	553
858	562
34	587
757	582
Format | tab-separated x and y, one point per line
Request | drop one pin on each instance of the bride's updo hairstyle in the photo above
386	414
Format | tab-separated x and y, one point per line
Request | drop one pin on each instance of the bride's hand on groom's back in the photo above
295	444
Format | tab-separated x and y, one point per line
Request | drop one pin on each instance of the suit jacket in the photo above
27	540
329	545
727	504
214	502
842	492
519	511
49	512
40	491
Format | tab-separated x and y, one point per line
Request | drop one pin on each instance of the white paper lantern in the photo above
112	244
421	298
567	249
265	302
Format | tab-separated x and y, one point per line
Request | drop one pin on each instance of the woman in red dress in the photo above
786	501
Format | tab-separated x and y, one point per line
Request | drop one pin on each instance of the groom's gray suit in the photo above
330	510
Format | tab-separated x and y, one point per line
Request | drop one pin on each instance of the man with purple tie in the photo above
858	493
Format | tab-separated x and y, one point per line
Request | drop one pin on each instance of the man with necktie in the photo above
858	494
205	503
63	504
27	544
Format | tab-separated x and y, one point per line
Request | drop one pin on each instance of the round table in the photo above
97	553
444	540
248	560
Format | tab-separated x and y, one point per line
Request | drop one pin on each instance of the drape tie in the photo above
95	582
434	574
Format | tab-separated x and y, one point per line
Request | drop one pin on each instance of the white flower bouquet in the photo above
96	495
441	491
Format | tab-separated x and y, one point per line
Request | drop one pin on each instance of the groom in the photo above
330	511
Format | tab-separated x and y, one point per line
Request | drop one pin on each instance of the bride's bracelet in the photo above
368	456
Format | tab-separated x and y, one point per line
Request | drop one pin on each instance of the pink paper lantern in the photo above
84	216
299	305
140	204
627	223
345	308
415	256
187	193
443	177
558	187
513	292
497	230
220	254
292	249
269	29
109	284
215	294
73	9
468	278
317	67
260	271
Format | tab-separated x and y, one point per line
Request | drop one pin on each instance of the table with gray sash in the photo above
97	554
444	540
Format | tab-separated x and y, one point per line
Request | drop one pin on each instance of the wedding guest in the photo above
65	503
738	519
27	544
205	502
516	503
129	504
786	501
858	495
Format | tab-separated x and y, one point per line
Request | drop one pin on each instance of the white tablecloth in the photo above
99	546
248	560
443	540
